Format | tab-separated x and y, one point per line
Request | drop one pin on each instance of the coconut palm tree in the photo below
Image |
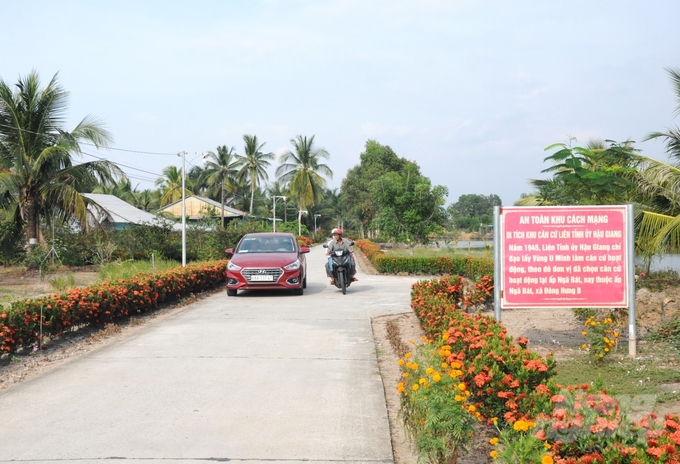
303	171
122	190
148	200
220	173
171	185
38	176
253	164
672	135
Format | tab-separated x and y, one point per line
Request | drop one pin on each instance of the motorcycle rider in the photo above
339	244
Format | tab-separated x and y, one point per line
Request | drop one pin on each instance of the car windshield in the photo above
266	245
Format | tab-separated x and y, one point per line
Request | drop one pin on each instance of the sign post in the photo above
566	257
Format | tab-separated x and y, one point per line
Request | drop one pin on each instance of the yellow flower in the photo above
412	342
494	454
459	398
414	366
522	425
444	365
494	420
400	362
547	445
422	381
606	349
429	371
436	377
400	387
461	386
415	387
584	346
606	340
547	460
601	355
472	408
407	355
494	440
456	365
445	336
405	374
584	333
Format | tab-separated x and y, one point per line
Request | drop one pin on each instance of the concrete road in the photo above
261	377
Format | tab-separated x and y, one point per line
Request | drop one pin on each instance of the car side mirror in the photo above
229	251
304	249
351	243
325	245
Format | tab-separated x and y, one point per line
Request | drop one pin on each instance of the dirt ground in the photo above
556	331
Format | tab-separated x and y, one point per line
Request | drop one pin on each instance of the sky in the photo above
472	91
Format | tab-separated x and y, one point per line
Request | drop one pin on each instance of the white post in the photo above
630	274
184	212
274	213
497	272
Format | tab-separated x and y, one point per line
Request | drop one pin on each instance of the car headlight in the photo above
293	266
233	267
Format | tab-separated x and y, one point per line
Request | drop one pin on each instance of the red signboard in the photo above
568	256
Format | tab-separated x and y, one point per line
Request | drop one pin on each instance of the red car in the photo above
267	261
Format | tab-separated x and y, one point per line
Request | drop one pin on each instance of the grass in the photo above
656	365
128	269
62	282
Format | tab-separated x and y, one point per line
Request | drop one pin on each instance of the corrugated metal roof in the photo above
119	211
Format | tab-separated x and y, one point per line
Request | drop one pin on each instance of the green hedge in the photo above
472	268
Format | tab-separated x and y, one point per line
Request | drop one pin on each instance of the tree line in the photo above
42	182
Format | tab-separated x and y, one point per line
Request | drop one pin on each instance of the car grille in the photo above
259	275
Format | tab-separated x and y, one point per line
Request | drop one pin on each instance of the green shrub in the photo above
472	268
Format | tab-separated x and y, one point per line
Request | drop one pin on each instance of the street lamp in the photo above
183	154
274	208
300	211
316	216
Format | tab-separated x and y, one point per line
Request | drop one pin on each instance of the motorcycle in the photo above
341	268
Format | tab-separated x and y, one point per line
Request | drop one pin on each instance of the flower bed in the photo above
98	304
509	386
472	268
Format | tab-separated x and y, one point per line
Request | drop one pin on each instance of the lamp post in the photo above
316	216
183	154
274	209
300	211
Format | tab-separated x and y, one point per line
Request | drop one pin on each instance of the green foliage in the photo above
472	211
603	173
62	282
668	332
472	268
410	208
303	172
438	426
376	161
292	227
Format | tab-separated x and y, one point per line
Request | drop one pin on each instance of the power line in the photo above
93	145
124	165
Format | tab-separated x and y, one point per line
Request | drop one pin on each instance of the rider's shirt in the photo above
334	245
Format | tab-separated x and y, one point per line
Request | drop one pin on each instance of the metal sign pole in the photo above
630	243
497	237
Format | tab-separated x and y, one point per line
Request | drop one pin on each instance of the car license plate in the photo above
262	278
